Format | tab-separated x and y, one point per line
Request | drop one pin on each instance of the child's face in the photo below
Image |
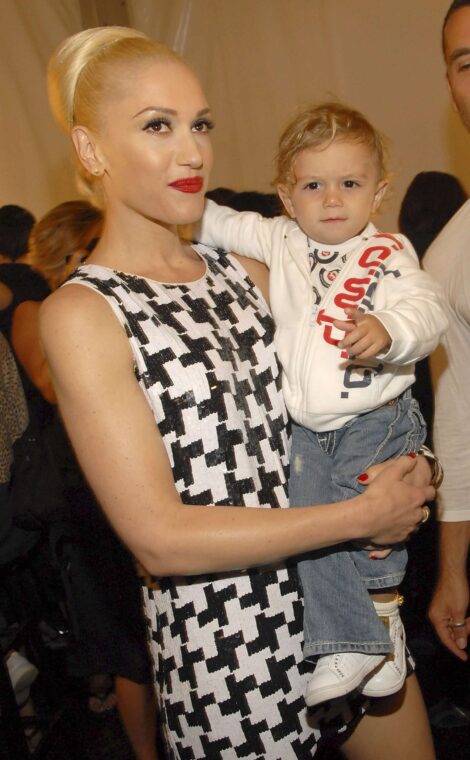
336	191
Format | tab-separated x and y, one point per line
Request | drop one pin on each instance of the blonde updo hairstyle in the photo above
80	74
317	127
63	231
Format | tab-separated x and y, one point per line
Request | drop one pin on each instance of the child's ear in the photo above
379	194
284	195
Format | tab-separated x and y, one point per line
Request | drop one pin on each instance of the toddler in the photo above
353	313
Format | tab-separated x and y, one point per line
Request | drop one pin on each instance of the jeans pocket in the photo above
397	429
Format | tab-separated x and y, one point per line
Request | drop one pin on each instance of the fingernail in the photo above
364	476
412	455
461	643
373	556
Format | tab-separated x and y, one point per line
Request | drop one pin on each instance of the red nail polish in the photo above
412	454
363	477
373	556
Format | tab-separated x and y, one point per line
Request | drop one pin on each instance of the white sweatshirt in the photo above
323	387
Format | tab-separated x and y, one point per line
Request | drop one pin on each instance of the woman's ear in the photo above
87	151
284	195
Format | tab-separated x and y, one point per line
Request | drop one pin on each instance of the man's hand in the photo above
365	335
450	603
448	607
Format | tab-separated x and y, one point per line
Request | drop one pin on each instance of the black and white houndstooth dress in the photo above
227	648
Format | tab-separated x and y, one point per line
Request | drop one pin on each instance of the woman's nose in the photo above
189	153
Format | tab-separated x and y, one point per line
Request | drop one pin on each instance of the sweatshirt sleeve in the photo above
413	310
243	232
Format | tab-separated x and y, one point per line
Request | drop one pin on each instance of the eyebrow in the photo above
169	111
316	177
458	53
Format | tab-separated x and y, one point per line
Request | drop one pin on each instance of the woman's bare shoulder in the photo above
75	305
79	320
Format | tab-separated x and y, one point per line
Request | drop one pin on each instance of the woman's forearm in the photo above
197	539
214	539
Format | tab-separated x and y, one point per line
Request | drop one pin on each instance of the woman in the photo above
162	360
60	240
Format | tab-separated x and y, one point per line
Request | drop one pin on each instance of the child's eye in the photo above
312	186
158	126
349	183
203	125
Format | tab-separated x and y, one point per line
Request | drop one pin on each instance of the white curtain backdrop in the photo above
34	159
259	60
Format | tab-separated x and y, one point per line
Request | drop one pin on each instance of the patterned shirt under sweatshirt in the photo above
326	262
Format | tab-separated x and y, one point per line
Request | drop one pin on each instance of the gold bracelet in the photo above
437	472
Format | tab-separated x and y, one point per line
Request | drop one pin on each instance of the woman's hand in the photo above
394	507
419	475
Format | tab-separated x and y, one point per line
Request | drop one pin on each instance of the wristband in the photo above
437	473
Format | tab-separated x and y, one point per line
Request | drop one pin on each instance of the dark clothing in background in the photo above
26	285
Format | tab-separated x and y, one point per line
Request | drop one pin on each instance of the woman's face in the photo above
153	142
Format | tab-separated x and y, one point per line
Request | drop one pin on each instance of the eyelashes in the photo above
158	125
203	125
162	125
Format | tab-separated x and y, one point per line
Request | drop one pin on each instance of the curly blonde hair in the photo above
318	126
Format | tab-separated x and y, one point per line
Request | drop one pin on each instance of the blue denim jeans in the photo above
339	613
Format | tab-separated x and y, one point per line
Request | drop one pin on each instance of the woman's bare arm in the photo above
123	456
28	350
6	296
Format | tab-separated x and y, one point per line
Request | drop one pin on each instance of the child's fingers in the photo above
355	314
352	337
358	347
345	325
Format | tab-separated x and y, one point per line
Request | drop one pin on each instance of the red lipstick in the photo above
188	184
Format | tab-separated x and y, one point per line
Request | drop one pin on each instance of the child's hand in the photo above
365	335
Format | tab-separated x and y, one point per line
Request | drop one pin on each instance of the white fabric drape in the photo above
259	60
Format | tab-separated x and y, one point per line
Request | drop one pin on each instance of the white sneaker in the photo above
22	674
391	675
340	673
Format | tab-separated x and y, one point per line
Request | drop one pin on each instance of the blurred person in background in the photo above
99	573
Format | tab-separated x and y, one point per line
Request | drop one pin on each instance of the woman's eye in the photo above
157	126
203	125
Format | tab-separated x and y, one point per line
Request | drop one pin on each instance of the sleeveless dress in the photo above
227	647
